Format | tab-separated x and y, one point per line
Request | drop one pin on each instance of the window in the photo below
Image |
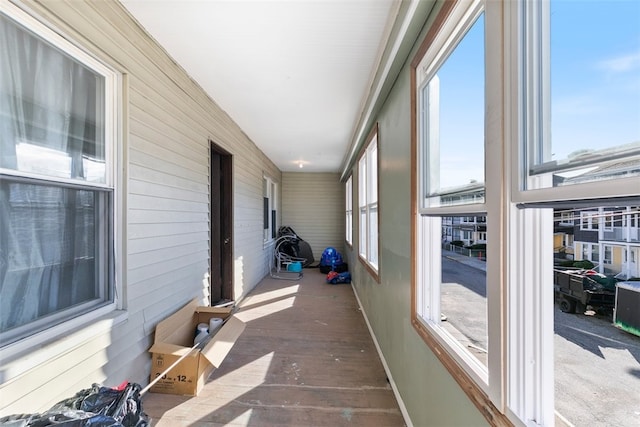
607	254
368	203
270	208
595	253
591	252
348	192
566	218
608	221
57	185
518	174
585	251
589	220
570	142
567	240
631	218
450	91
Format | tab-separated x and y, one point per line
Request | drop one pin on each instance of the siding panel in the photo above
165	212
313	205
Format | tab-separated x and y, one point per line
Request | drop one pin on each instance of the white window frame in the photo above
427	308
527	118
519	380
585	251
270	192
368	248
589	221
566	217
104	316
588	250
348	194
631	222
535	131
567	240
595	253
608	220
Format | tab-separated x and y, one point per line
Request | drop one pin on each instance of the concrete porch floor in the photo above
306	358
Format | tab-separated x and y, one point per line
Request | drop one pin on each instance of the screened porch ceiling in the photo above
296	75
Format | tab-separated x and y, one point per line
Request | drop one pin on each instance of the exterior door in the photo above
221	279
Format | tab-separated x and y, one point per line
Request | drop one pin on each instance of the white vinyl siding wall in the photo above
313	205
168	121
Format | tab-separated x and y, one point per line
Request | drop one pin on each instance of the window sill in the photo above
473	391
24	355
372	271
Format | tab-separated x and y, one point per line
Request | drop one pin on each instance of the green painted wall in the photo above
429	392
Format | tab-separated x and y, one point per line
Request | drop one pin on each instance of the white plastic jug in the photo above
214	324
202	332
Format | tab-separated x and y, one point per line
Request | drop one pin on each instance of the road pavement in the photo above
597	366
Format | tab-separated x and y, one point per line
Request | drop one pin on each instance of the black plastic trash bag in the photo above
93	407
295	246
66	418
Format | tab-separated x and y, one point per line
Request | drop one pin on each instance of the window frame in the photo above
428	61
270	189
608	220
535	137
348	194
519	222
526	30
631	219
368	187
607	250
108	311
589	221
451	24
566	218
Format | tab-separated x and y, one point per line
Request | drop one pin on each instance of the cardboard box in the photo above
174	338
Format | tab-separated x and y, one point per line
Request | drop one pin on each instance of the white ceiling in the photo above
293	74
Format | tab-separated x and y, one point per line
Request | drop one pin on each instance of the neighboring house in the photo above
610	238
620	240
563	234
467	229
607	236
150	212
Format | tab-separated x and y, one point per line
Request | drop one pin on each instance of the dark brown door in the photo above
221	282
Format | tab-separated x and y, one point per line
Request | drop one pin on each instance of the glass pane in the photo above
362	181
596	322
363	232
463	292
372	196
595	93
53	256
373	236
453	124
51	109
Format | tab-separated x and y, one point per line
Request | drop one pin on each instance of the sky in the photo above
595	74
595	86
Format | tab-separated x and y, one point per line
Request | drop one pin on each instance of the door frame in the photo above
222	230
